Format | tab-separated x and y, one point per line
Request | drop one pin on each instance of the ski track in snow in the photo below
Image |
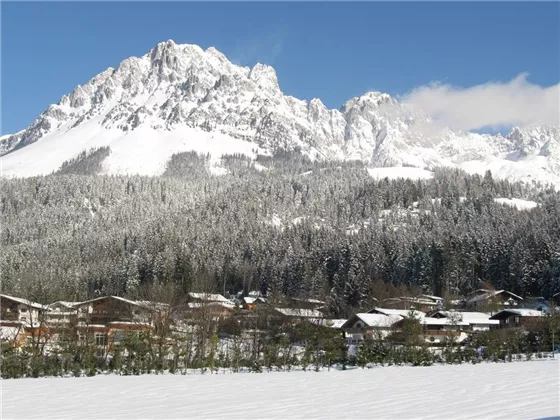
518	390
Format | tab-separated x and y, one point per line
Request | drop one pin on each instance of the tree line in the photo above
282	225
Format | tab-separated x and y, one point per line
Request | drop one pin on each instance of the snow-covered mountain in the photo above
181	97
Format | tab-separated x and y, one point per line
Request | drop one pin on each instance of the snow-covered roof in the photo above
8	333
209	297
321	302
66	304
24	301
299	313
469	317
520	312
332	323
401	312
442	321
431	297
374	320
491	293
130	302
196	305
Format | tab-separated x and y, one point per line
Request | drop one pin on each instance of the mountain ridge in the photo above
180	97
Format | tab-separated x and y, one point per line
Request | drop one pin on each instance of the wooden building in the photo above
493	300
519	318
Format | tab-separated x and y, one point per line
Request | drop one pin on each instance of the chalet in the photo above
113	309
358	326
62	314
476	321
213	310
251	303
518	318
493	299
14	310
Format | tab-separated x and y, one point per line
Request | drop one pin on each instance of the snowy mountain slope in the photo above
180	97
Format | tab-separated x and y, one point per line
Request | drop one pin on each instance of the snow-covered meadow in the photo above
519	390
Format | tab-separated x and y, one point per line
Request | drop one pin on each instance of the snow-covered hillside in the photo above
181	97
520	390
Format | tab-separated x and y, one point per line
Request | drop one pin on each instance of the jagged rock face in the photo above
176	86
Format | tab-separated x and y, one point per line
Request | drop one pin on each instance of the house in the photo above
493	299
109	318
360	325
519	317
297	313
251	302
61	314
210	310
476	321
441	330
15	310
207	298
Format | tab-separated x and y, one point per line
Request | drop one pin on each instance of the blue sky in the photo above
333	51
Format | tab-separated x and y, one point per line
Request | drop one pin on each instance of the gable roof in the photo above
299	313
491	293
209	297
431	297
401	312
518	312
469	317
66	304
130	302
24	302
373	320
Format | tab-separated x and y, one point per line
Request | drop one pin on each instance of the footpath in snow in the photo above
518	390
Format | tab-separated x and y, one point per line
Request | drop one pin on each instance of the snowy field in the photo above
519	390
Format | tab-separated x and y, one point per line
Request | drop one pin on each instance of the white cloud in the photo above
490	105
265	49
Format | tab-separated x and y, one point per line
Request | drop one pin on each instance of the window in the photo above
95	311
23	318
104	311
23	310
82	337
137	312
100	339
516	319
